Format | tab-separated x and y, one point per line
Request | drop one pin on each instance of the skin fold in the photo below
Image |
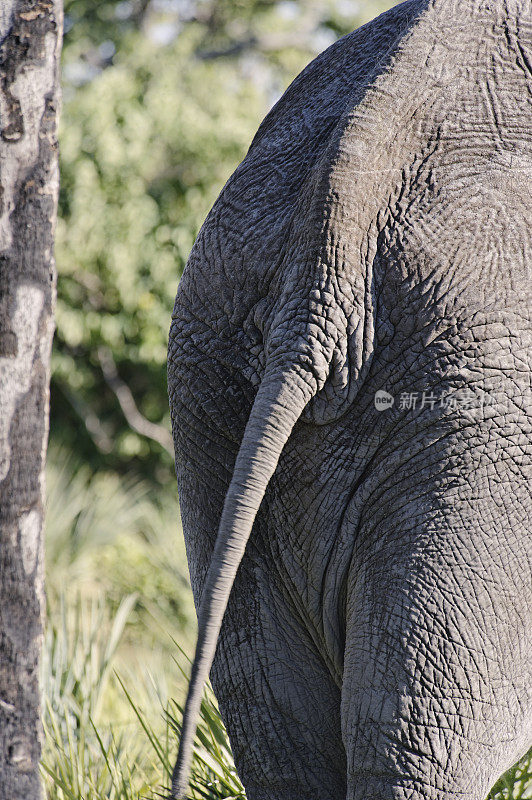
369	565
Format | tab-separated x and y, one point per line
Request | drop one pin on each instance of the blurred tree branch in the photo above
91	421
123	394
308	22
266	43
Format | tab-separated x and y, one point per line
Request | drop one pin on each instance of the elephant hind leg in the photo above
277	698
431	697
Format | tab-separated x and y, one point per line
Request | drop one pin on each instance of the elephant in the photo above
350	382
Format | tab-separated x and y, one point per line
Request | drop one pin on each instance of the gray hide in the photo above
376	238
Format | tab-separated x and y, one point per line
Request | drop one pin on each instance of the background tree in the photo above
30	40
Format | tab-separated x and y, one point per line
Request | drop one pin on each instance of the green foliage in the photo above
76	671
516	784
109	536
142	161
125	754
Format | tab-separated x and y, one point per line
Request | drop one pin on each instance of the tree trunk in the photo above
30	37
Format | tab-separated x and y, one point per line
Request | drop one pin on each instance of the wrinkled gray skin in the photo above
376	643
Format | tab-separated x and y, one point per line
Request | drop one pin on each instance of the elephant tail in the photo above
280	400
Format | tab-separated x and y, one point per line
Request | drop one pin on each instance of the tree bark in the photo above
30	37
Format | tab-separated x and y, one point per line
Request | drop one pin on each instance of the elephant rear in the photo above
373	245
